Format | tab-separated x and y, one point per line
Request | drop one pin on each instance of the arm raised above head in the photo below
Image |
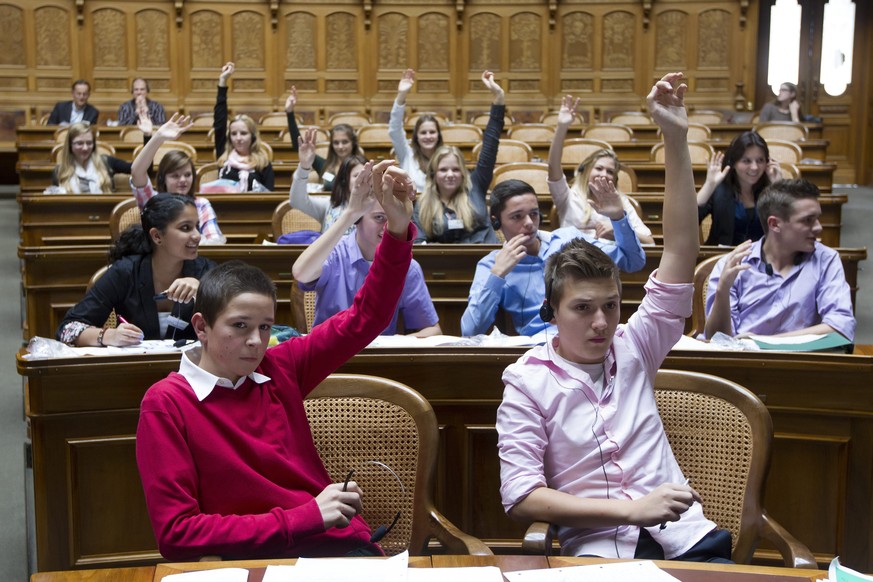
681	236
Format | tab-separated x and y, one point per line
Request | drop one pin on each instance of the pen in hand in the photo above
348	478
664	523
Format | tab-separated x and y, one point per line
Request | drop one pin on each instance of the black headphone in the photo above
495	222
547	312
768	268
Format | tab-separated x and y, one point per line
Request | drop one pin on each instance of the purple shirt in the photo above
343	274
547	416
814	291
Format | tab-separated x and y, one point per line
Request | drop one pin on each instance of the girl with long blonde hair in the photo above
451	208
81	169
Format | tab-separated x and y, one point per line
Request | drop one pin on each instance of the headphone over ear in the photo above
547	312
495	222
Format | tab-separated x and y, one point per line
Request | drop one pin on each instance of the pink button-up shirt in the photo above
550	417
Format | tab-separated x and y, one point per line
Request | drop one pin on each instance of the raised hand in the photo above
406	81
144	123
733	266
567	113
338	507
774	171
226	71
666	503
174	127
715	174
497	93
361	198
306	149
604	197
667	105
512	252
291	101
395	192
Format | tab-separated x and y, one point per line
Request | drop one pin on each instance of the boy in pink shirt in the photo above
580	440
224	448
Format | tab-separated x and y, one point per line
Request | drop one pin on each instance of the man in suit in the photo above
67	112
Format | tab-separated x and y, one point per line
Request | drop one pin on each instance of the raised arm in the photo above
681	236
219	112
491	139
396	132
308	266
720	289
405	86
566	115
176	126
290	103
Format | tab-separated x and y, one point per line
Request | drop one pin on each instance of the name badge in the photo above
176	322
328	177
456	224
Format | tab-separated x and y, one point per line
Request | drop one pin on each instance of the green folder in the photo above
830	342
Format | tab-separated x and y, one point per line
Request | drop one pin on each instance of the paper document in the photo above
472	574
619	572
340	569
217	575
839	573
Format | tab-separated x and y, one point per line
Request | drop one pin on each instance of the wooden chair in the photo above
131	135
373	134
61	134
576	150
789	171
534	173
367	423
786	152
720	433
631	118
508	151
302	308
167	147
288	219
701	152
412	119
609	132
551	118
269	149
627	181
785	130
106	149
706	116
320	134
202	120
698	304
124	215
207	173
481	121
532	133
274	119
112	320
459	133
354	118
43	119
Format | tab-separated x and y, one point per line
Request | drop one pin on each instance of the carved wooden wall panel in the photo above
433	42
300	41
53	37
12	39
152	40
206	40
671	43
578	48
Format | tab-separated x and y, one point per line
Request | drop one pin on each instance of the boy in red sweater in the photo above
224	448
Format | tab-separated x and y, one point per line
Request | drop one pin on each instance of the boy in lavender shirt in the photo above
787	283
580	439
335	265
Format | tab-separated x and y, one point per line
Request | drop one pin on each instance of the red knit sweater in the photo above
237	474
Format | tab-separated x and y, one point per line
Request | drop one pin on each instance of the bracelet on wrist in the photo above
100	337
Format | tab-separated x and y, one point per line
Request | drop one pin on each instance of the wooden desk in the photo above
54	278
90	510
685	571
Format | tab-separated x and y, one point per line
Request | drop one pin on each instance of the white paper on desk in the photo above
468	574
217	575
790	340
144	347
340	569
839	573
644	571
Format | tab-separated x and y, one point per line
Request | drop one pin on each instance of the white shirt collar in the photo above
203	382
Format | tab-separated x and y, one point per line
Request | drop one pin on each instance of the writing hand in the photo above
126	334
